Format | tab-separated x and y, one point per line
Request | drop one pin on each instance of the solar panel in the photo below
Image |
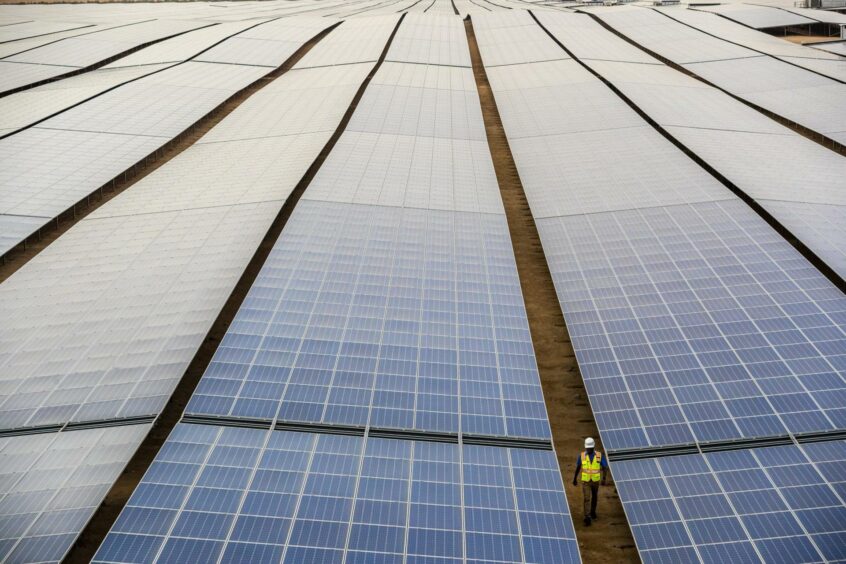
23	30
758	17
776	504
182	47
51	484
507	38
275	496
85	50
354	41
35	104
431	39
16	228
268	44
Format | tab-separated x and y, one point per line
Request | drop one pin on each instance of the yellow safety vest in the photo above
590	470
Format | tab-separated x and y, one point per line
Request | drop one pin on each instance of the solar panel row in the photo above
235	495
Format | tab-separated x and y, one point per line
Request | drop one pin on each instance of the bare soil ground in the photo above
803	39
609	539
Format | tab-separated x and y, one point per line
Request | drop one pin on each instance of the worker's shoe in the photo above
593	516
587	521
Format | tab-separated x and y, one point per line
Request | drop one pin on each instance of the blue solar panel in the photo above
387	317
697	323
773	504
276	496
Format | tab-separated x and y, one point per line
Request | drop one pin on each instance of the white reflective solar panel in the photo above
182	47
24	30
46	171
820	226
759	17
408	171
29	106
430	39
669	38
595	171
15	75
587	39
51	484
358	40
300	101
513	37
161	105
85	50
16	228
825	63
20	45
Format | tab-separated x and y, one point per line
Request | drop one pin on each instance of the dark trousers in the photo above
590	490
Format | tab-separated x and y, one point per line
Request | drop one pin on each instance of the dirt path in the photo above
609	539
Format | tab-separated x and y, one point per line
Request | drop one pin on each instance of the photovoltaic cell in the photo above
383	316
776	504
273	496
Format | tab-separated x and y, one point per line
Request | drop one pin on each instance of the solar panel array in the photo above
376	307
777	504
377	313
759	156
104	322
794	93
87	146
234	495
824	63
692	320
66	55
376	398
695	325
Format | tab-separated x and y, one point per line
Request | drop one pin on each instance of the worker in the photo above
593	468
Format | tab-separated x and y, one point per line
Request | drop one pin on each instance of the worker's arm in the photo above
578	469
603	469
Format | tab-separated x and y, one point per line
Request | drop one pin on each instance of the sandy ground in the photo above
609	539
802	39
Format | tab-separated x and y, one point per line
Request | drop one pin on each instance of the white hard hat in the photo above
589	443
